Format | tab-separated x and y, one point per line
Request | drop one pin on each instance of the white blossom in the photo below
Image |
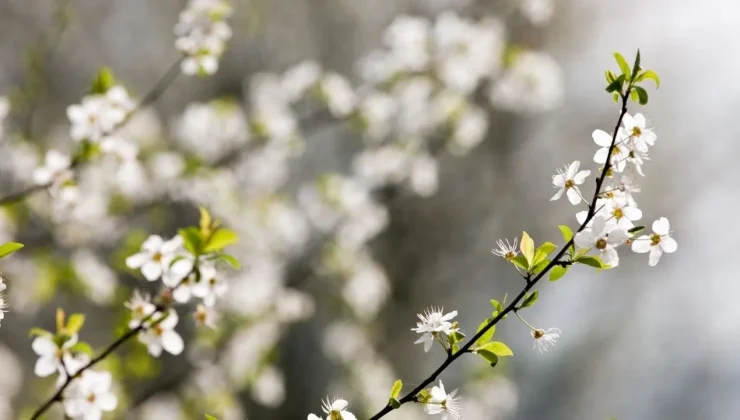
56	170
155	256
202	35
94	118
638	132
545	338
335	409
210	287
507	249
432	322
533	84
340	97
605	237
88	396
657	243
619	152
205	316
568	181
161	335
448	405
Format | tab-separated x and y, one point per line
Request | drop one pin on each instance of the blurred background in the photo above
370	154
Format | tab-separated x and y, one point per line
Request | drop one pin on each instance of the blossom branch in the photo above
514	305
154	93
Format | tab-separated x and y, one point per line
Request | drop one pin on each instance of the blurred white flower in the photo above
339	95
378	110
269	387
88	396
299	79
56	170
100	279
246	349
94	118
293	305
140	306
161	335
532	84
408	39
202	35
470	130
167	165
210	286
161	406
211	130
539	12
424	177
205	316
346	342
366	289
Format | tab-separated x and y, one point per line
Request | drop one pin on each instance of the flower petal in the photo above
668	244
602	138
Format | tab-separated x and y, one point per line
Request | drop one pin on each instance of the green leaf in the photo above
520	261
192	238
649	75
210	417
623	66
634	96
642	95
394	403
636	66
396	389
540	266
488	335
220	239
35	331
498	348
616	86
205	221
616	97
530	299
527	247
497	305
9	248
567	236
75	323
592	261
488	355
82	347
543	251
610	76
230	260
103	81
580	253
558	271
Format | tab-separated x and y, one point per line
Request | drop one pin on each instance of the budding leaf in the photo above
220	240
230	260
636	229
205	222
527	247
557	272
82	347
530	299
9	248
543	251
642	95
520	261
623	66
394	403
35	331
192	238
60	319
498	348
636	66
210	417
75	323
488	335
488	355
649	75
103	81
497	305
396	389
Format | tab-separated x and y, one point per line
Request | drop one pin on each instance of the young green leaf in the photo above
205	221
9	248
60	319
649	75
103	81
396	389
642	95
230	260
498	348
75	323
530	299
497	305
636	66
592	261
210	417
394	403
192	238
35	331
636	229
220	239
527	247
82	347
488	335
558	271
540	266
623	66
567	236
488	355
521	262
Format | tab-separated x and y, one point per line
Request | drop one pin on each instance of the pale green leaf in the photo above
9	248
557	272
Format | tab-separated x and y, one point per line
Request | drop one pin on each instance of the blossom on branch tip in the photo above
545	338
657	243
448	405
567	181
433	322
155	256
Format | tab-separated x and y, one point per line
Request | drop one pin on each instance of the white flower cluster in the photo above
616	209
184	277
93	121
202	34
89	394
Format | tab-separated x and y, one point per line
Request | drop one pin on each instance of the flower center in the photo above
636	132
570	183
335	415
618	213
655	239
601	243
212	281
157	330
157	256
538	334
59	353
91	398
